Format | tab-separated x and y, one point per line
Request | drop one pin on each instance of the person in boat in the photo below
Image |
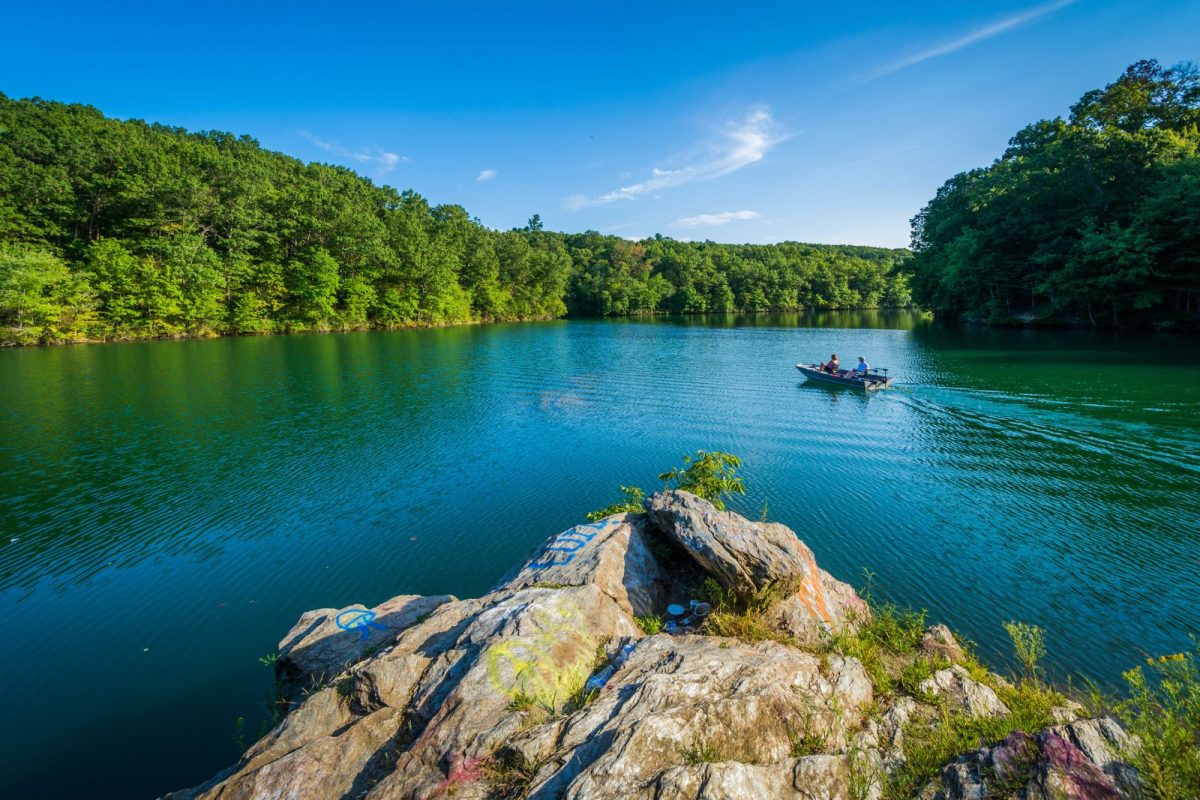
831	366
861	368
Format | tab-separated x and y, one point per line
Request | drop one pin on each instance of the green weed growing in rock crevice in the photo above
881	640
932	742
631	501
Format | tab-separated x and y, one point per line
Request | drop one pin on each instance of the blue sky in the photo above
733	122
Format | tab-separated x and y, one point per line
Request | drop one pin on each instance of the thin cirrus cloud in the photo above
742	144
486	175
382	161
712	220
974	37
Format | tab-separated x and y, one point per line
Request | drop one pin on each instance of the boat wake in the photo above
1089	426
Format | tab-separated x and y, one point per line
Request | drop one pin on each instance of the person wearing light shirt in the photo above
862	367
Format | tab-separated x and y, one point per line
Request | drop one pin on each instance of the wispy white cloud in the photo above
486	175
974	37
381	161
712	220
742	144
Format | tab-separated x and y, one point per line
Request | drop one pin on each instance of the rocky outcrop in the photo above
1050	765
546	687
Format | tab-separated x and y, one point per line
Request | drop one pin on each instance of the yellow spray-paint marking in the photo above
526	665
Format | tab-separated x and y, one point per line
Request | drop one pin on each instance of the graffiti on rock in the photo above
565	546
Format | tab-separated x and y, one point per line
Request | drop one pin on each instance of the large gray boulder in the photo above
613	554
450	689
742	555
748	556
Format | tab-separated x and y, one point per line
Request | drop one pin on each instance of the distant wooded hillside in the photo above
114	230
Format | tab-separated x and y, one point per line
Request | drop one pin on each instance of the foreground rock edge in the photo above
423	697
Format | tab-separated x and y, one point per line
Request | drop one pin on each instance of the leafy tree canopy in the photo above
118	230
1094	219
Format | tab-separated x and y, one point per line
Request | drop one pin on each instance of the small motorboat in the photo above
874	379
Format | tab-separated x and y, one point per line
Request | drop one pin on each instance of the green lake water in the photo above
168	509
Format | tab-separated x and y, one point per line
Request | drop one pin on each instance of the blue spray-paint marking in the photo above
569	542
358	618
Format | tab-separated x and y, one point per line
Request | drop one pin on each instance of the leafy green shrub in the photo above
650	625
711	475
1163	712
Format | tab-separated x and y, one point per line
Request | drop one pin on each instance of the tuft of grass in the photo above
582	695
863	775
535	707
510	773
898	630
743	618
919	670
269	660
878	640
708	751
1162	712
808	740
650	625
239	733
1020	770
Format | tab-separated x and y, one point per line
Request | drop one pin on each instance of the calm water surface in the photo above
169	508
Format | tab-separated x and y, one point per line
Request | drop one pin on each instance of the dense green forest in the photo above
116	229
1094	219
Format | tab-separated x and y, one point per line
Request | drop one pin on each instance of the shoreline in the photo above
436	325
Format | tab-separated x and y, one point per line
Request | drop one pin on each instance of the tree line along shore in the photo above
113	230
